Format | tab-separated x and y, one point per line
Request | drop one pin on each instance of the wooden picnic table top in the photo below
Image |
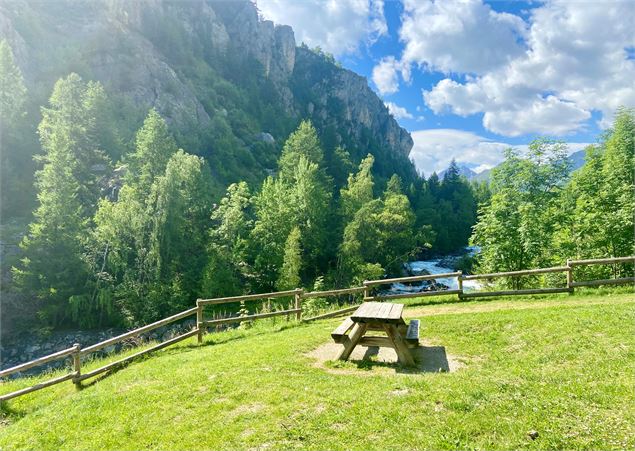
372	312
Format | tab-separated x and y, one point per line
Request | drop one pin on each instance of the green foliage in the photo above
148	243
53	269
15	138
228	269
303	142
359	190
12	89
154	147
598	206
515	229
289	278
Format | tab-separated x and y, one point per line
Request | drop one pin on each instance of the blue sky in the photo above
468	78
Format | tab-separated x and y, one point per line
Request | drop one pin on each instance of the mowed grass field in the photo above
537	373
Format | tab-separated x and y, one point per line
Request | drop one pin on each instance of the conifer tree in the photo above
53	268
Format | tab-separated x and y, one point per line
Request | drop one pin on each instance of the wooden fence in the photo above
76	352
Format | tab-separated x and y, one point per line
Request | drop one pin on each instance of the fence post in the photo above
199	320
366	291
569	276
77	365
459	281
298	302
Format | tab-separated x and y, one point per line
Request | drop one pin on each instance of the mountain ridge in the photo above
219	74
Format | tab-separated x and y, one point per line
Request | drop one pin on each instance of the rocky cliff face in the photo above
149	52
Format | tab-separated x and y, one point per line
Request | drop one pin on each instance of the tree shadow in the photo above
9	415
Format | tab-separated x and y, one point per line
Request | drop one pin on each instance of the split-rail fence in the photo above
76	352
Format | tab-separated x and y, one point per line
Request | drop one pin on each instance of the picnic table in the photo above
378	316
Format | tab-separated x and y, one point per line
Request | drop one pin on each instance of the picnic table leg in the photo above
405	357
353	338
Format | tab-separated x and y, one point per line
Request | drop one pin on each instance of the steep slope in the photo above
226	80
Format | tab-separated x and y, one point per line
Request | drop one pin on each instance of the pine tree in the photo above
53	268
14	154
154	147
359	189
302	142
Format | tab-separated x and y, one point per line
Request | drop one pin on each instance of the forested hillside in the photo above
164	151
156	152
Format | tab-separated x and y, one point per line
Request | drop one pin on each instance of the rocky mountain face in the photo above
217	72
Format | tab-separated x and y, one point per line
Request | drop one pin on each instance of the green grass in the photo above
562	366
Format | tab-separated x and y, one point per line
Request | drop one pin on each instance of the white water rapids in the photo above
434	267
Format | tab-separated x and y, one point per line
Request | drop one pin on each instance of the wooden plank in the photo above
370	283
238	319
332	314
362	310
375	341
248	297
602	261
367	310
119	362
396	312
35	387
341	330
371	312
317	294
384	311
37	362
592	283
403	353
412	334
478	294
353	339
134	333
526	272
421	294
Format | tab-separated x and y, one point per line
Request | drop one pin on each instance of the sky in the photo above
469	78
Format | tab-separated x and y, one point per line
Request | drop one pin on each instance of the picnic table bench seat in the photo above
340	332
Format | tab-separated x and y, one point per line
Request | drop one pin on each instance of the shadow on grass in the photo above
9	415
428	359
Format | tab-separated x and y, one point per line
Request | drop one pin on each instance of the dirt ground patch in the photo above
428	357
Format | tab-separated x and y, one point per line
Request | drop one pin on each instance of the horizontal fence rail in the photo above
527	272
76	352
371	283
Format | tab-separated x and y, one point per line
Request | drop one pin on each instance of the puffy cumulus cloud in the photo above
385	75
398	112
544	115
434	149
573	66
459	35
337	26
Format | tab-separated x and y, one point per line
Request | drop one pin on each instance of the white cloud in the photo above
434	149
459	36
337	26
398	112
385	75
573	66
546	75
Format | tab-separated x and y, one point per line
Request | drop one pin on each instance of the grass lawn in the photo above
560	366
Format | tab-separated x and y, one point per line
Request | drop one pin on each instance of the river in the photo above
435	266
